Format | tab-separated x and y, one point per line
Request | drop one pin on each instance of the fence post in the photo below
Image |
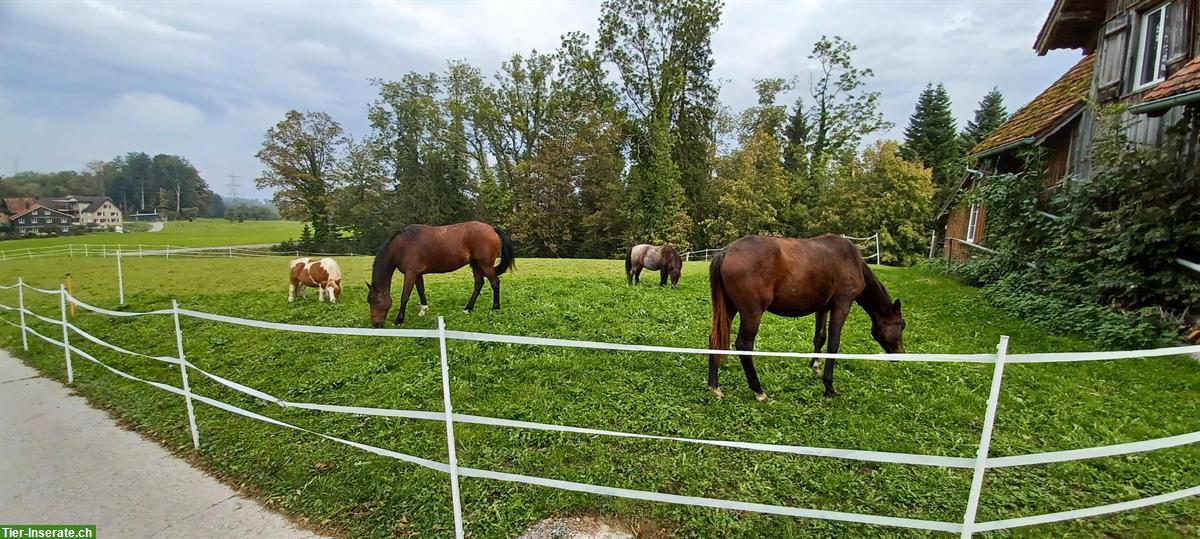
30	253
103	250
85	250
458	523
70	250
21	304
985	439
139	250
932	242
878	251
62	303
231	252
168	250
120	280
187	390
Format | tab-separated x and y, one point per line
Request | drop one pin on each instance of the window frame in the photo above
972	220
1159	58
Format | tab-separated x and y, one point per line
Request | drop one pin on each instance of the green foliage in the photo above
885	194
300	154
654	205
932	139
753	190
1110	243
990	114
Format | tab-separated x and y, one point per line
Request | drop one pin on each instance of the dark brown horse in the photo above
794	277
420	249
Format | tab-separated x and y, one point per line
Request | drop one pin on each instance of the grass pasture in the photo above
198	233
933	408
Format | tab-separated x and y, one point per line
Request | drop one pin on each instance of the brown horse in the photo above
662	258
420	249
794	277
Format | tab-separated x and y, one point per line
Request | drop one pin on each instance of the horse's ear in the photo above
896	305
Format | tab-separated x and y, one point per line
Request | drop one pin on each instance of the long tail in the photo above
718	339
629	261
508	257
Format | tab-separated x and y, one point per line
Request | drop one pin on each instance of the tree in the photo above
826	135
990	114
301	153
663	55
931	139
654	206
883	193
753	187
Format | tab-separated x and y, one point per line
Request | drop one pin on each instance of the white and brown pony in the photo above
322	274
661	258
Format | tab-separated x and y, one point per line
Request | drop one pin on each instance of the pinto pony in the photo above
420	249
794	277
662	258
325	275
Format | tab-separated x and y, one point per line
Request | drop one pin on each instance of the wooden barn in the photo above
1142	53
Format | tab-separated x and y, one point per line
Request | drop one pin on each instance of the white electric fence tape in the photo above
42	290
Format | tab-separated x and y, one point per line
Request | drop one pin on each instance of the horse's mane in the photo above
875	297
381	270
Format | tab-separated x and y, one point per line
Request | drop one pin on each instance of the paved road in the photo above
156	226
64	462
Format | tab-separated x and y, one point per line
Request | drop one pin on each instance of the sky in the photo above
88	80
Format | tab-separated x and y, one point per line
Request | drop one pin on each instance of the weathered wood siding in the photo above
956	227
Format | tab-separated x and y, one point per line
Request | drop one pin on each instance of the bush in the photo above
1100	256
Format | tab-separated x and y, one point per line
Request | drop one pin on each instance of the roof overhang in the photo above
1160	106
1071	24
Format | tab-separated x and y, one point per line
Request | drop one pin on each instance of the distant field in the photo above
198	233
930	408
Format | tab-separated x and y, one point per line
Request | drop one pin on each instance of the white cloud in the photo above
155	111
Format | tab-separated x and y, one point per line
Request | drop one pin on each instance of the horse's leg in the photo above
837	318
320	292
747	331
819	341
409	281
637	274
664	272
300	290
421	295
478	286
291	291
490	273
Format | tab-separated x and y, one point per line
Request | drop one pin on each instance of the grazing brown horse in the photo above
420	249
794	277
654	258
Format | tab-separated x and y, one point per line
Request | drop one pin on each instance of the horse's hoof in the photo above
717	391
466	311
816	370
424	309
398	322
831	393
762	397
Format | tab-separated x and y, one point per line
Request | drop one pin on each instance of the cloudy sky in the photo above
93	79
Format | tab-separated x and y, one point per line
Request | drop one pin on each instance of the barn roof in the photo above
1173	90
1048	110
93	202
19	204
1071	24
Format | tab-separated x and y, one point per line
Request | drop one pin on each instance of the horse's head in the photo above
674	264
335	288
380	302
888	328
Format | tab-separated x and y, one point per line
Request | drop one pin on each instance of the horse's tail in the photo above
718	339
508	257
629	261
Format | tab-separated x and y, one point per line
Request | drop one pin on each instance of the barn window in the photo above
972	219
1152	47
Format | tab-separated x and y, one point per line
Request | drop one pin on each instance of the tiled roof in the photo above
19	204
1183	81
1046	110
92	202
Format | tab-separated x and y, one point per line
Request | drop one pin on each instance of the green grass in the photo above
198	233
904	407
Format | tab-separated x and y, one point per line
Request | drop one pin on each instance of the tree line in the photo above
134	181
619	139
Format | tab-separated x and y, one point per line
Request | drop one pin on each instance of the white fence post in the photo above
30	253
120	280
21	303
187	391
70	250
985	439
139	250
168	250
85	249
878	251
458	523
932	242
62	303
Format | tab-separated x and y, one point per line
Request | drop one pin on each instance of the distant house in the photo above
58	214
1141	53
40	220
